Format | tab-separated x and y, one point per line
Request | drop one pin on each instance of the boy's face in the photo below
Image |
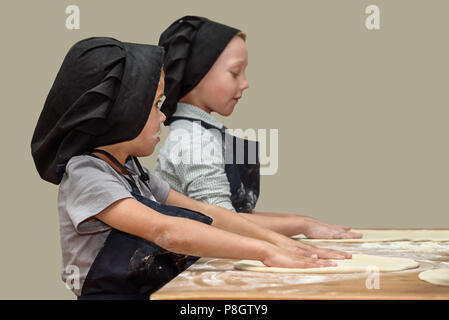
223	86
146	141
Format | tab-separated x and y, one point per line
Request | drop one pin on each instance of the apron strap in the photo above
143	176
206	126
203	123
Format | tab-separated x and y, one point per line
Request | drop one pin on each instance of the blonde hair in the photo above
241	35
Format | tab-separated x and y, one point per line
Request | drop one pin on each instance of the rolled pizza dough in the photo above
358	263
436	276
388	235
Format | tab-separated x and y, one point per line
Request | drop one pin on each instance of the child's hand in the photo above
306	250
315	229
284	258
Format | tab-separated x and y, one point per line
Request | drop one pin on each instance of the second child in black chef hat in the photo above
205	63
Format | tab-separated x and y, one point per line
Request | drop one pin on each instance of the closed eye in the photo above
234	74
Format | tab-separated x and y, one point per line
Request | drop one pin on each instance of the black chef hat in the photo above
192	45
102	95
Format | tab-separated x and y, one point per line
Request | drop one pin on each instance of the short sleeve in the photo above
206	180
159	188
208	183
87	188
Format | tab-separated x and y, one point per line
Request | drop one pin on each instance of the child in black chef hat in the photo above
205	64
123	229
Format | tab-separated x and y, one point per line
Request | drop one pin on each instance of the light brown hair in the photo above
241	35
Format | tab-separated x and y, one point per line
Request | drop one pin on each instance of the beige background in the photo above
362	115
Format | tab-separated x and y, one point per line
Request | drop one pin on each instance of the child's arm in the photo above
229	221
292	224
190	237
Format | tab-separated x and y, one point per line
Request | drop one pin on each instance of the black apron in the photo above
241	165
129	267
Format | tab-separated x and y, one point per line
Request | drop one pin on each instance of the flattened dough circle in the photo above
358	263
436	276
370	235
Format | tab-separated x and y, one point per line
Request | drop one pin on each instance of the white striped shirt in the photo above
191	159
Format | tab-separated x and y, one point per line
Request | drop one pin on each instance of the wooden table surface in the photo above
217	279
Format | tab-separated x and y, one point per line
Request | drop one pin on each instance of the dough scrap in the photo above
358	263
436	276
388	235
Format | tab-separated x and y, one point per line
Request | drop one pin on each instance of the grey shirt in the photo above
191	159
88	186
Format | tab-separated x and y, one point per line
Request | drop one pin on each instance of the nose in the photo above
162	116
245	84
